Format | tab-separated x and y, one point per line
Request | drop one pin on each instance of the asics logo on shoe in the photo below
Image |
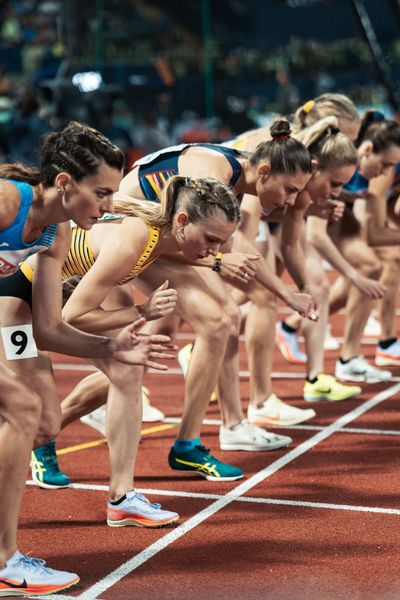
18	586
326	390
206	468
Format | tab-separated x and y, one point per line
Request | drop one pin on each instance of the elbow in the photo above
69	317
375	237
44	335
315	240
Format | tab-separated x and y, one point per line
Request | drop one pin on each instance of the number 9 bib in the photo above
18	342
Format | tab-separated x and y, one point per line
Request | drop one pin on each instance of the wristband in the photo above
217	262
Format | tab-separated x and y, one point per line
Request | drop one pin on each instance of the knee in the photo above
126	377
218	327
236	319
320	290
372	269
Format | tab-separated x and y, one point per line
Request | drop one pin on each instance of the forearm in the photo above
327	249
98	320
382	236
293	258
65	339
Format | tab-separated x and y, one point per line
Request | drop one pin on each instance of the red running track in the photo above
317	520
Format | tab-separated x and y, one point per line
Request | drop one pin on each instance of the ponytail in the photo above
382	132
337	105
328	145
199	198
20	172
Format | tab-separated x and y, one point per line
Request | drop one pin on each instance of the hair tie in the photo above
283	136
308	106
333	130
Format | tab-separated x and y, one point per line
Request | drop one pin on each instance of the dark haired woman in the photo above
78	174
378	147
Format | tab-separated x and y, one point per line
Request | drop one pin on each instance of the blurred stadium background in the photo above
152	73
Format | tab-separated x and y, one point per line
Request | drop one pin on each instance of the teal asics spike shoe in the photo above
45	470
200	461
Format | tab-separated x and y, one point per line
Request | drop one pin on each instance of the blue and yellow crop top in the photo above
155	169
13	249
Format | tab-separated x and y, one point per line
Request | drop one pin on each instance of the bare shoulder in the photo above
198	161
127	238
134	231
130	184
255	137
10	201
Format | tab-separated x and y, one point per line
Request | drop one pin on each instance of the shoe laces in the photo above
142	498
33	564
205	451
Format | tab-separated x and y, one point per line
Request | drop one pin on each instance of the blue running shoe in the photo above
200	461
288	344
45	470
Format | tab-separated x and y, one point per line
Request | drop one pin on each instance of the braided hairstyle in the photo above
382	132
285	154
201	199
327	145
77	149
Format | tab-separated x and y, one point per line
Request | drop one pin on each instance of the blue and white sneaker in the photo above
288	344
135	509
28	576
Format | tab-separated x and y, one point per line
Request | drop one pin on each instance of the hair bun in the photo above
280	130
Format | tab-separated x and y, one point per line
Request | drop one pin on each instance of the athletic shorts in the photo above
17	286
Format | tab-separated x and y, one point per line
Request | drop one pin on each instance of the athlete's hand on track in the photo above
238	267
160	303
135	348
304	304
371	288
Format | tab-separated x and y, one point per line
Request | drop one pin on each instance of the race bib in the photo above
18	342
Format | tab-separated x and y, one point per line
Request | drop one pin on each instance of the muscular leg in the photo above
390	278
198	305
338	294
87	395
260	337
358	307
314	333
20	410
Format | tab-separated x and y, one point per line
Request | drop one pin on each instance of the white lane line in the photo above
135	562
248	499
171	371
364	431
178	371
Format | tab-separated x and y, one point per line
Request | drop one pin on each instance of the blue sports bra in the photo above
358	183
13	249
155	169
